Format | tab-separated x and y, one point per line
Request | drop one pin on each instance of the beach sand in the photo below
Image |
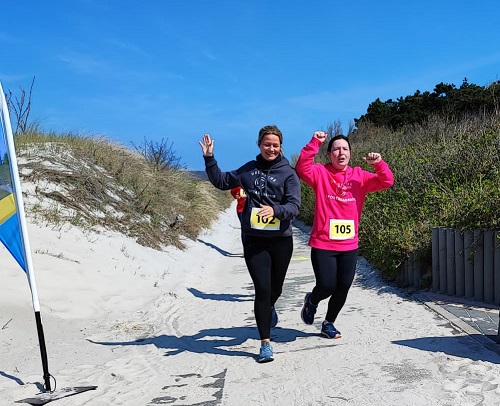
177	327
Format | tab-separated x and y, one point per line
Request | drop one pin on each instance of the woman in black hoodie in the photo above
273	201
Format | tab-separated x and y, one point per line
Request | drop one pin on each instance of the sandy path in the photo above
177	328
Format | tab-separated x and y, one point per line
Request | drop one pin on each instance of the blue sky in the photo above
176	69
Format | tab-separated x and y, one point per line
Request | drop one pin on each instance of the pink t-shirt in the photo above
340	195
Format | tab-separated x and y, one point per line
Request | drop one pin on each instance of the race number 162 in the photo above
259	223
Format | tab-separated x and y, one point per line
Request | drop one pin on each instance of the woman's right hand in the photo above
320	136
207	145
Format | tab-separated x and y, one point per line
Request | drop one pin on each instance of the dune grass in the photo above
94	183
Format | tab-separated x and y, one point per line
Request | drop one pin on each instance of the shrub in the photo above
446	174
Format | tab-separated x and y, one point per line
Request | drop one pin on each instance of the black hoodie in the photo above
270	183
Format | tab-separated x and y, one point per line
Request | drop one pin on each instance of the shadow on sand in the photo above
225	297
458	346
220	250
212	341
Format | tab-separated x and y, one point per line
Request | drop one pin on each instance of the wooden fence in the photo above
466	263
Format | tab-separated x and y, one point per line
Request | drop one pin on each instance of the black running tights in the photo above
267	261
334	271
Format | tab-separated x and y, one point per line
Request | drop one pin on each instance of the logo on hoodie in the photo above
261	182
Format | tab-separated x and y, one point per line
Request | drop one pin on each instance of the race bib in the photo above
258	223
341	229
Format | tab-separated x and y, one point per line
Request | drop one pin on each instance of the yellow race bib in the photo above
341	229
258	223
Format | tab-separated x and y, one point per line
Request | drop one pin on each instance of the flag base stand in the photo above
46	397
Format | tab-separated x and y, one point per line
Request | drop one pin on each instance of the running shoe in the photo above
266	353
308	310
328	330
274	317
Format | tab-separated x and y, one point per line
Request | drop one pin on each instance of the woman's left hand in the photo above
266	212
372	158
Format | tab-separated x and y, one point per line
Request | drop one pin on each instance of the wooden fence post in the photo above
488	283
478	266
450	261
442	261
435	259
469	263
459	263
496	266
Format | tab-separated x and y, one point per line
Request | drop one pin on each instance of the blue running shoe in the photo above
274	317
308	310
328	330
266	353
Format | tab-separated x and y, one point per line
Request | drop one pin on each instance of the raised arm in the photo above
383	177
221	180
305	163
207	145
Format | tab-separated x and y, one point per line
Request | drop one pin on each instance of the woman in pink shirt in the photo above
340	192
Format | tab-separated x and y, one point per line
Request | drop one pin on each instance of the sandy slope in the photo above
177	328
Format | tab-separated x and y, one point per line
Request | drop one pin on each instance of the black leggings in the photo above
334	271
267	261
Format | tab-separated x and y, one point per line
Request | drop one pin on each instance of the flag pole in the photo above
16	187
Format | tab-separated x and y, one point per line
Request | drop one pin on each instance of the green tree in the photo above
446	101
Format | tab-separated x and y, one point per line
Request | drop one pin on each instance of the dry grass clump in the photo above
94	183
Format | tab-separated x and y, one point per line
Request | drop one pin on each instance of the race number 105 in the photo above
341	229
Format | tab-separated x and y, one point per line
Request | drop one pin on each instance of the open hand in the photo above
207	145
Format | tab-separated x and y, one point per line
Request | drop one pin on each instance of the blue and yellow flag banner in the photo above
10	227
13	227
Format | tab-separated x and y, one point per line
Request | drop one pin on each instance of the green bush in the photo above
446	174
